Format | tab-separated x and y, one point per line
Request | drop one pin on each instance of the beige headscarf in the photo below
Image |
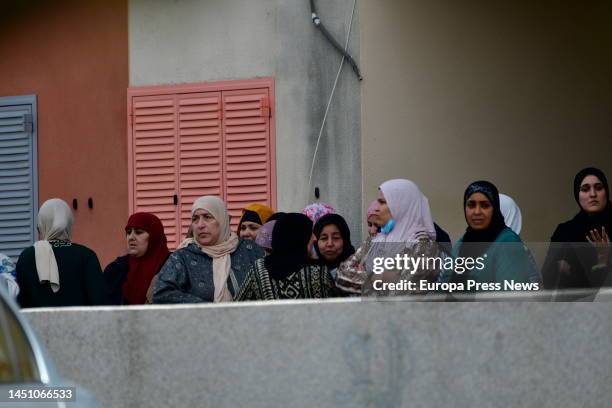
54	222
220	251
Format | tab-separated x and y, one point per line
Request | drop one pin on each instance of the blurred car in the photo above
25	364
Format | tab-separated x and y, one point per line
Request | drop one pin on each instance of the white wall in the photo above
194	41
344	353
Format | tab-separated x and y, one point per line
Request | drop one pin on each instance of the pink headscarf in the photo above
410	210
315	211
373	206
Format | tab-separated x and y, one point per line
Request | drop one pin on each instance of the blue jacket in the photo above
187	275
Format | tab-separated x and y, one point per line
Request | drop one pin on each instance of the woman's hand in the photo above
601	242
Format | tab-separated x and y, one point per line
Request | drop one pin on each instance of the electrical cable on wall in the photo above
344	51
317	21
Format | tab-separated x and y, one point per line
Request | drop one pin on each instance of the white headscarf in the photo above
220	251
511	213
54	223
410	210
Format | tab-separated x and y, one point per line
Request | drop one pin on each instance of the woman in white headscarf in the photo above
511	212
407	230
211	266
56	271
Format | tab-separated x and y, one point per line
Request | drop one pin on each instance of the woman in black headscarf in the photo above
579	253
497	254
333	244
286	272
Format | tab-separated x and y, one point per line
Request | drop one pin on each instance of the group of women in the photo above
275	255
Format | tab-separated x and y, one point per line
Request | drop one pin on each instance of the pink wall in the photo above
74	56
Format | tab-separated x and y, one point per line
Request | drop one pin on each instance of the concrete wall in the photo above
514	92
338	353
196	41
73	56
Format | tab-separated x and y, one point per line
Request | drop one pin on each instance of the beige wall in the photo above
517	93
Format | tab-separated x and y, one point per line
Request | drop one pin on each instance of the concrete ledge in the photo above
336	353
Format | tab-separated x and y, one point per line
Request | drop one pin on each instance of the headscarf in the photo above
54	223
220	251
338	221
373	206
290	237
578	228
257	213
264	235
315	211
142	270
580	255
410	210
276	216
479	240
590	171
511	212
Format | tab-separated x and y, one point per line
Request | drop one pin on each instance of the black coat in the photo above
80	276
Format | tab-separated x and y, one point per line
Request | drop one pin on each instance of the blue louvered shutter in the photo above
18	193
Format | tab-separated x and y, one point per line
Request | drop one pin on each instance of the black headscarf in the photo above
479	240
578	228
569	242
338	221
276	216
290	237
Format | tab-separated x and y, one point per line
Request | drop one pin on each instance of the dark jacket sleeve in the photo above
115	275
24	271
95	285
550	268
172	284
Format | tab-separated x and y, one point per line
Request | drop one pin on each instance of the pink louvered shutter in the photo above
190	140
247	152
152	152
200	150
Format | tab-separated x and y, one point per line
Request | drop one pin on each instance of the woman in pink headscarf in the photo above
407	229
373	229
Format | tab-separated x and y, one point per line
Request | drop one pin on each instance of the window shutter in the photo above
247	153
200	148
153	163
190	140
17	179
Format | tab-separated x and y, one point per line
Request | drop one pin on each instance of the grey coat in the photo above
187	275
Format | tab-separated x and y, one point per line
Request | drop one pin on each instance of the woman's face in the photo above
248	230
137	241
372	228
206	229
382	214
478	211
592	195
330	243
